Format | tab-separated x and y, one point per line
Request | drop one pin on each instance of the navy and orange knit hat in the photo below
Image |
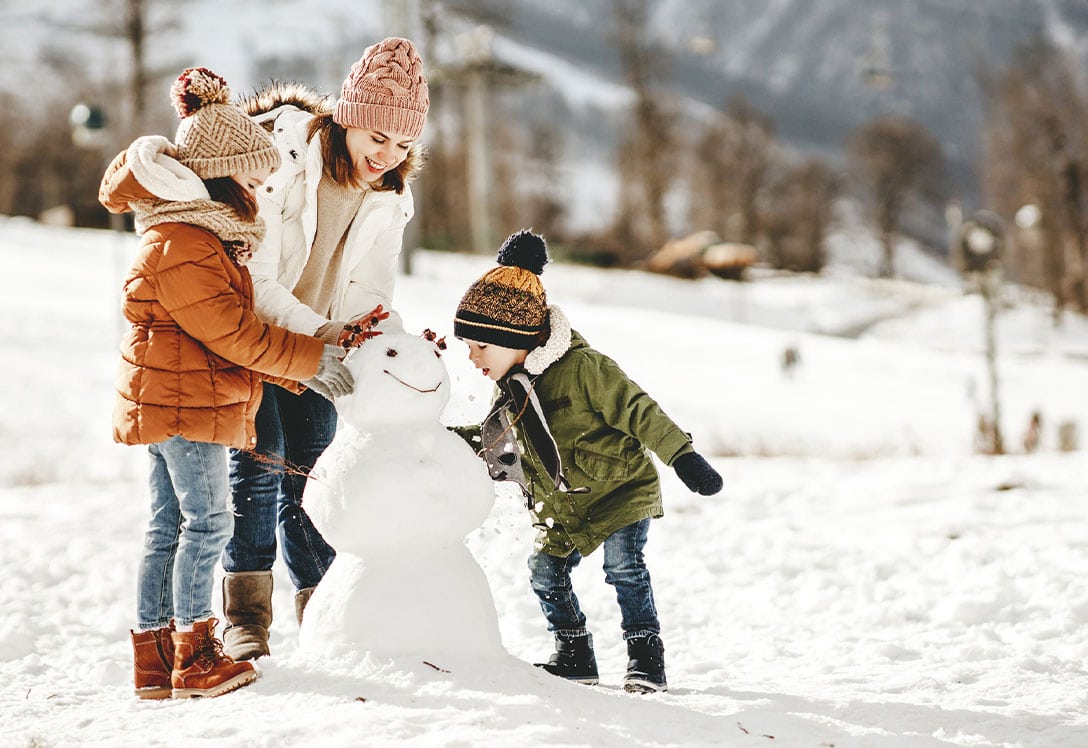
507	306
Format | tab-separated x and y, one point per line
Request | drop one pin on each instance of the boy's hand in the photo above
697	474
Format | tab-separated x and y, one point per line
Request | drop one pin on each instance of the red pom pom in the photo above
197	88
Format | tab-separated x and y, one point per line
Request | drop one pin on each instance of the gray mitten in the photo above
332	379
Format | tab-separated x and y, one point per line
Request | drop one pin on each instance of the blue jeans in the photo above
266	486
190	524
624	569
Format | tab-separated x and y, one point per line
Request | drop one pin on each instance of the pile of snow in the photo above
924	596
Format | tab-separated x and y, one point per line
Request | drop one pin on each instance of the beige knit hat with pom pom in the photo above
216	138
385	90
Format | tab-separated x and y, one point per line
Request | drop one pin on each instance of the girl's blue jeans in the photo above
267	483
624	569
190	523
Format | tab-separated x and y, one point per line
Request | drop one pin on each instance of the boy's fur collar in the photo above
558	343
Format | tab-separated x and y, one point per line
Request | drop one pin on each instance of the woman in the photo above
336	212
191	364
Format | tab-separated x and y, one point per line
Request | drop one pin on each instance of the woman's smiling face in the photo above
374	152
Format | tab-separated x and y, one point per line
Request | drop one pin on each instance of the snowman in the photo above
395	494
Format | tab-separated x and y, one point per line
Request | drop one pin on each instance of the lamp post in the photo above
90	132
981	243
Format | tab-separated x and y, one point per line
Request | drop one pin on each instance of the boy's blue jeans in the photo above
624	569
190	524
267	484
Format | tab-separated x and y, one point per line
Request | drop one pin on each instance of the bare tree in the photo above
136	24
648	149
732	160
1036	143
12	120
543	208
895	160
799	216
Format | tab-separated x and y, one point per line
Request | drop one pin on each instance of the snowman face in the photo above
399	378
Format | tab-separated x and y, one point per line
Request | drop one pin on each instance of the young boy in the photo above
573	431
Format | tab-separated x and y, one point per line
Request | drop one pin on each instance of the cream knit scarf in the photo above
239	238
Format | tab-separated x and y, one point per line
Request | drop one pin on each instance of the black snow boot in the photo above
573	659
645	665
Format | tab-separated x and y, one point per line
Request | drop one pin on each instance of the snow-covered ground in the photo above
864	579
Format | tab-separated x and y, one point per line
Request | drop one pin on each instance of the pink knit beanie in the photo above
385	90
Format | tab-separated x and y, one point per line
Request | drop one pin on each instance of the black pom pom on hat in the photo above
524	249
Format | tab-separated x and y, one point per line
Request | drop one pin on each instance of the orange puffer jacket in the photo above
193	362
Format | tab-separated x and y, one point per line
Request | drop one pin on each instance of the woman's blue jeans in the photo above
624	569
190	524
267	483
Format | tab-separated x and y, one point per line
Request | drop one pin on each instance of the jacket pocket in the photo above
600	466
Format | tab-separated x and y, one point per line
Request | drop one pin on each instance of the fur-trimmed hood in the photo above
147	170
279	94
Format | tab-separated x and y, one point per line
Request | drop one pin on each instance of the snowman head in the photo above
399	378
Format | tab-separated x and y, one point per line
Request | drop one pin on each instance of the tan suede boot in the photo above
301	598
247	605
201	670
153	659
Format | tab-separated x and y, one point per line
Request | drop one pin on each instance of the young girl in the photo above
573	430
191	366
336	212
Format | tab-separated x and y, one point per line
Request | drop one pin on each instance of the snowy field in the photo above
863	580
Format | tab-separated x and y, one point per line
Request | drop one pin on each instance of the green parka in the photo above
603	424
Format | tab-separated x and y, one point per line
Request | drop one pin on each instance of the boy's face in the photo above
494	360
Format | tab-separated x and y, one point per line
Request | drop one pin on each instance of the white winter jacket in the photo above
287	202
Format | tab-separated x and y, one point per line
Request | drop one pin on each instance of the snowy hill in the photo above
864	580
818	68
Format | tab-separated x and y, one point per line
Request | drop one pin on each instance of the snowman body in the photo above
395	494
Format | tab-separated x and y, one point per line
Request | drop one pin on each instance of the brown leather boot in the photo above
153	659
302	597
201	670
247	606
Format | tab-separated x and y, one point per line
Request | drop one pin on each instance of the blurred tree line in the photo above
722	174
1036	170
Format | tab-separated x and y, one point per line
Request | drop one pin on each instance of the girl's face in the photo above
374	152
494	361
251	180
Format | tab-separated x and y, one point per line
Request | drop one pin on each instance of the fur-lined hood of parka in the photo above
278	94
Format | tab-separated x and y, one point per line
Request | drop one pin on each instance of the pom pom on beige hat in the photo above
216	138
385	90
